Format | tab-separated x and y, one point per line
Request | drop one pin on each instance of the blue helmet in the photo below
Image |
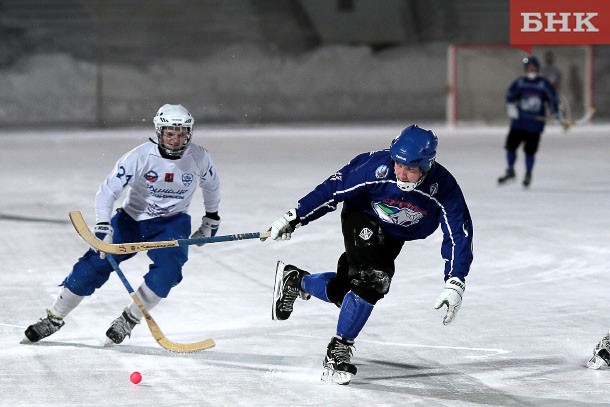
531	60
415	147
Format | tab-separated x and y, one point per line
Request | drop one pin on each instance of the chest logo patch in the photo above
396	215
151	176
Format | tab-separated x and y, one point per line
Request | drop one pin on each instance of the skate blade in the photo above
596	362
333	376
277	287
26	341
108	343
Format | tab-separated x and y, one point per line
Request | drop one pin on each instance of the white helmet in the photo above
173	116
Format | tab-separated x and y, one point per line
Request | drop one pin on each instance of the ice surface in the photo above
536	301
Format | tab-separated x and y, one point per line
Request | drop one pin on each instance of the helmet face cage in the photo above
415	147
173	116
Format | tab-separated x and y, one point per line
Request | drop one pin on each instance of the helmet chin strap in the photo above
164	152
532	75
410	186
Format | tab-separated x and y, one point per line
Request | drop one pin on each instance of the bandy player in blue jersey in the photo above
527	99
389	197
160	178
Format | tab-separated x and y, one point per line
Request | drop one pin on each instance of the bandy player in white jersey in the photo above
161	178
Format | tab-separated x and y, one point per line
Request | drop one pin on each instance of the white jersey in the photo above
158	186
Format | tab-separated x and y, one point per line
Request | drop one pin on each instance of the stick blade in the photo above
162	340
185	347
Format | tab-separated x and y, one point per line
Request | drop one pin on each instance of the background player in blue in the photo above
527	100
389	197
161	177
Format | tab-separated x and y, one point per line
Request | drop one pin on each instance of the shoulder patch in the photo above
382	171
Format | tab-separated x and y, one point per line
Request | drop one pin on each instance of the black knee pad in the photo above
370	283
339	286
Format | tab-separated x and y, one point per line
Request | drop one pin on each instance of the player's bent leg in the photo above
317	284
147	297
286	289
166	270
88	274
164	273
355	311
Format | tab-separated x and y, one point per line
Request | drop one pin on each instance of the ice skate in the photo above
121	327
44	327
286	290
508	177
601	354
527	180
337	366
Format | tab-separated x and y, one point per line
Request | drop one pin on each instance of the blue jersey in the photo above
532	96
368	184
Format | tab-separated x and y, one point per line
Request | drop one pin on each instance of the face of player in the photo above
407	174
174	138
531	71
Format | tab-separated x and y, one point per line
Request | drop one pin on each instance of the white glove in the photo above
562	121
512	111
208	228
103	231
452	297
282	228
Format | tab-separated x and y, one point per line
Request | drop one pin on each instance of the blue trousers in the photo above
90	272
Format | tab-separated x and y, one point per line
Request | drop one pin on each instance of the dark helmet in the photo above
415	147
531	60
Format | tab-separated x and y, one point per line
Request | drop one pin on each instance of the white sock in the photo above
65	302
149	300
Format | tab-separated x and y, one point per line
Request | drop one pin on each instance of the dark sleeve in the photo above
457	228
347	182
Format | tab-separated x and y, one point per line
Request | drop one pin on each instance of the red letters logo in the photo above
559	22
